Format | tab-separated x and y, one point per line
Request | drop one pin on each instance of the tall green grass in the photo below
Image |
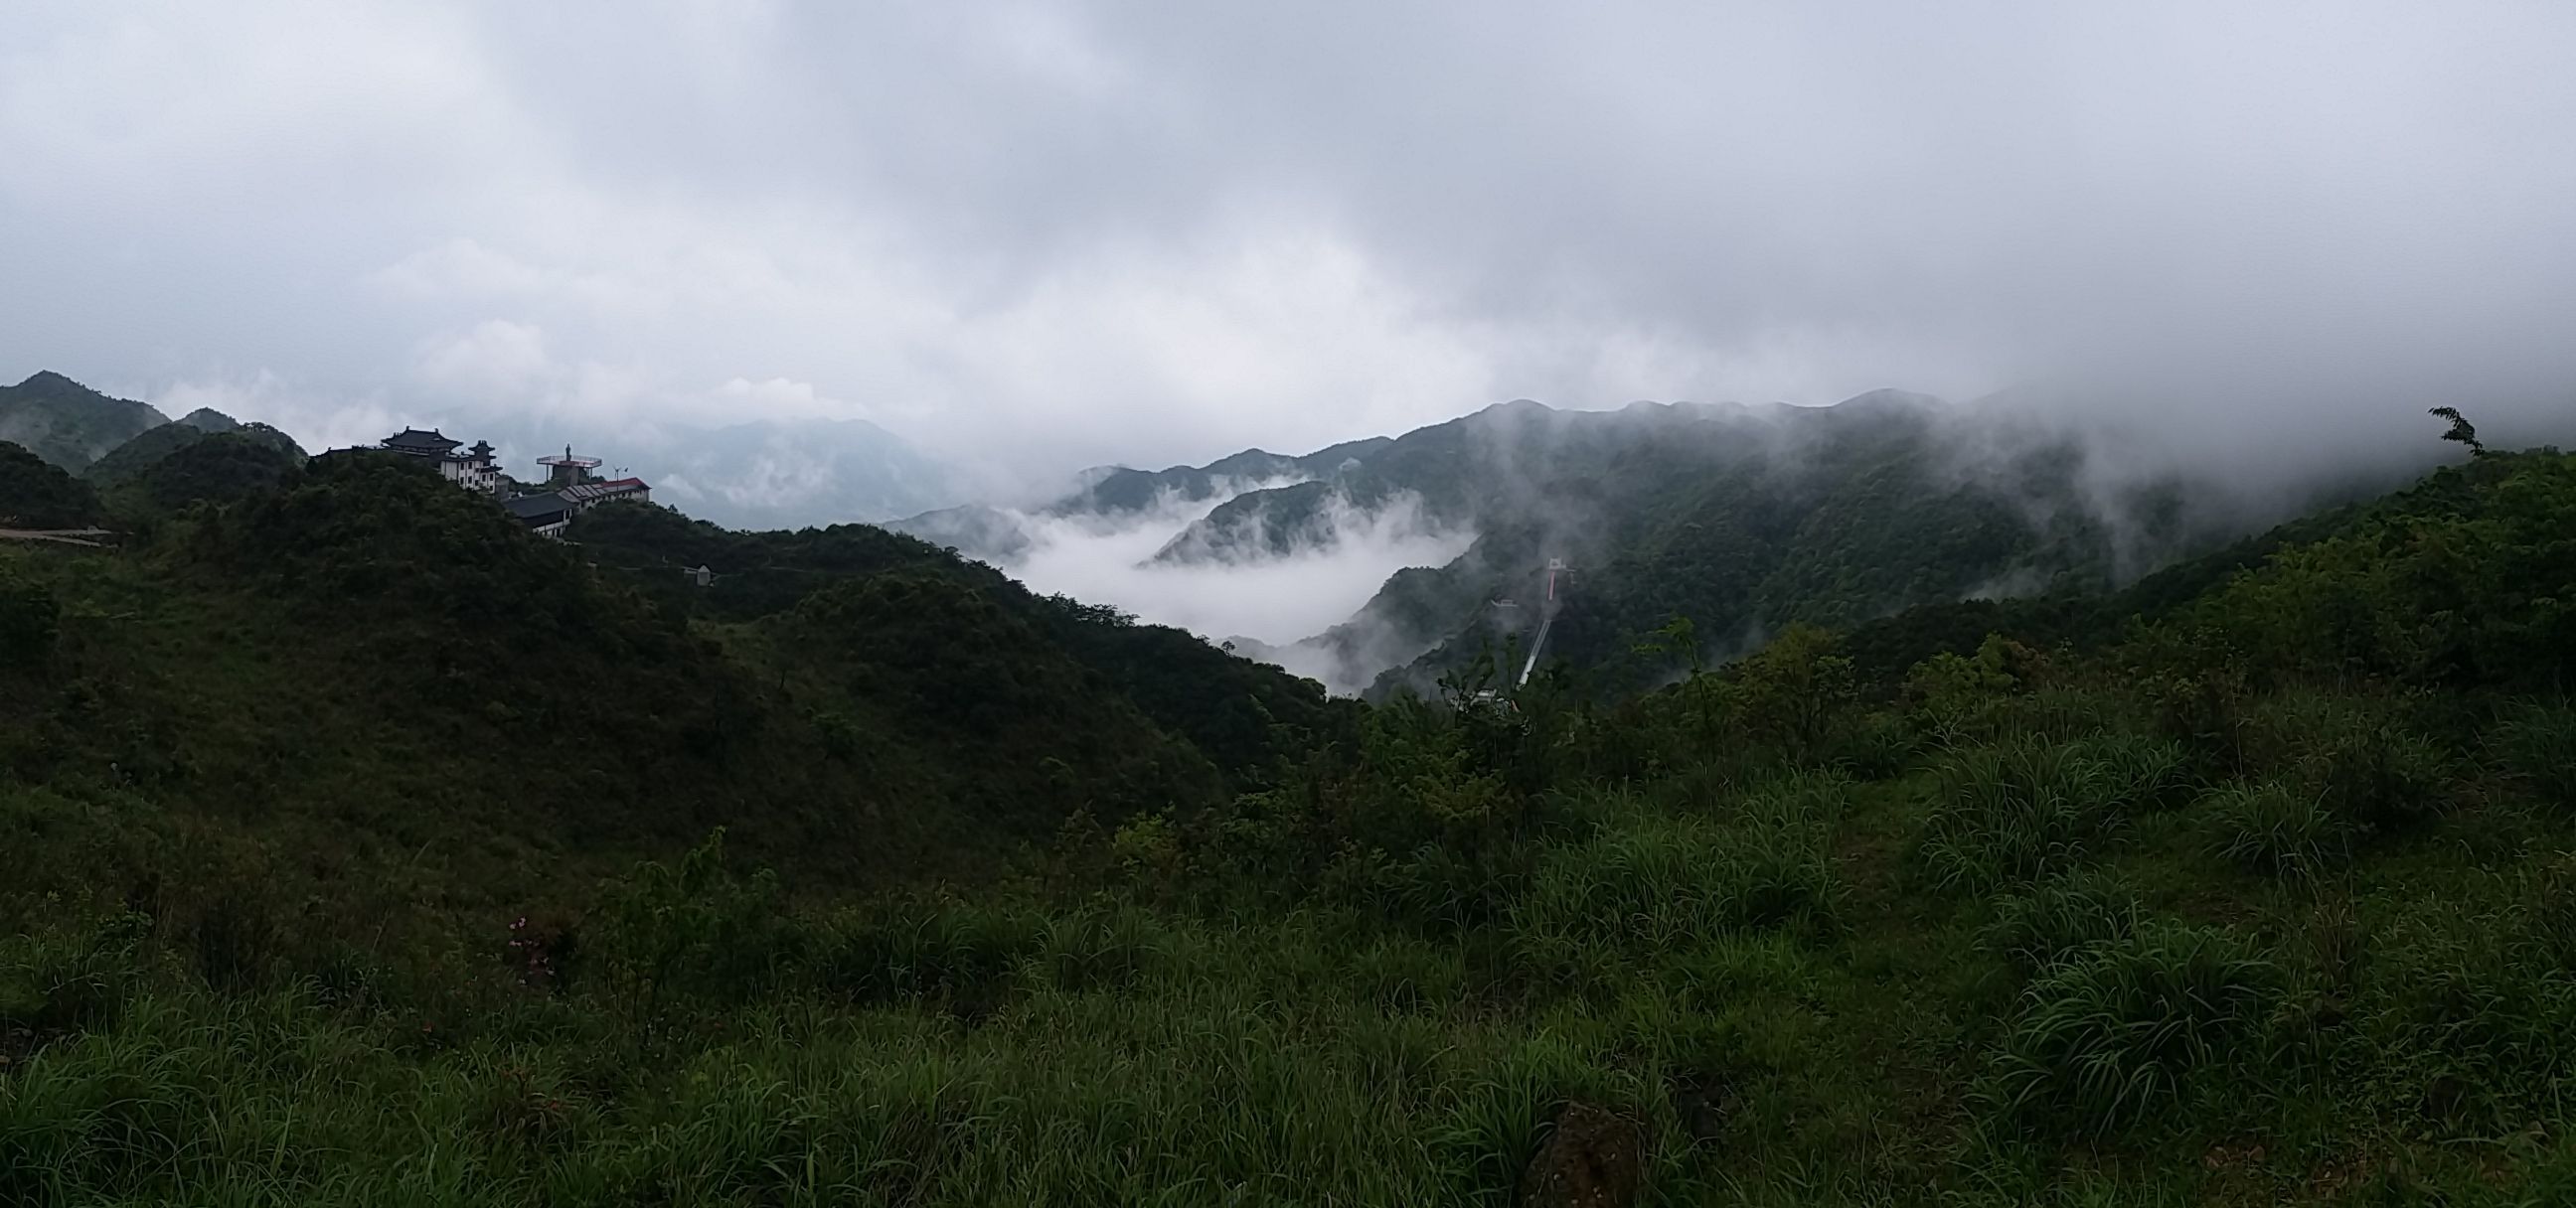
2059	919
1665	885
2009	978
2538	743
2110	1036
2016	812
2278	829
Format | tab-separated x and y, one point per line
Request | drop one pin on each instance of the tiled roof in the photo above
413	440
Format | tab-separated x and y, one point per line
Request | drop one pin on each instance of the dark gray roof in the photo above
533	510
413	440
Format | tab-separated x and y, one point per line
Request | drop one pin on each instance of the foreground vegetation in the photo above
2270	897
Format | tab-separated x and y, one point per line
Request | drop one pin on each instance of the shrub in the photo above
1950	692
2112	1034
2272	828
2386	778
2202	708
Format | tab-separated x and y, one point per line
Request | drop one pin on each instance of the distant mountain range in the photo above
1736	518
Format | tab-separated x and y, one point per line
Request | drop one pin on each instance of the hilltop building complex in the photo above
572	484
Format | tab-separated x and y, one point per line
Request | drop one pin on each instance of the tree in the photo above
1794	689
2461	430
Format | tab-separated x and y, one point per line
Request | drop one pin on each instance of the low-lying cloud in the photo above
1274	599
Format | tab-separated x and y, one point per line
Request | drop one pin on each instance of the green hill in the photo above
216	468
123	462
129	461
67	423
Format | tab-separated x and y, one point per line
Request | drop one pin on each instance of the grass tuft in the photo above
2059	919
2016	812
2279	830
2111	1035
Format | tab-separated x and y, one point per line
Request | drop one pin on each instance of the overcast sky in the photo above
1048	235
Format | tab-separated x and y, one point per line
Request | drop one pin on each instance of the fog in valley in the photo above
1275	600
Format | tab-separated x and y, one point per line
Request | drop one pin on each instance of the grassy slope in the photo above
2282	918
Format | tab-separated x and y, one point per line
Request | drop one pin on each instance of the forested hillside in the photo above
347	826
1738	519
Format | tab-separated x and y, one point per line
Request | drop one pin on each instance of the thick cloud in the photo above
1036	236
